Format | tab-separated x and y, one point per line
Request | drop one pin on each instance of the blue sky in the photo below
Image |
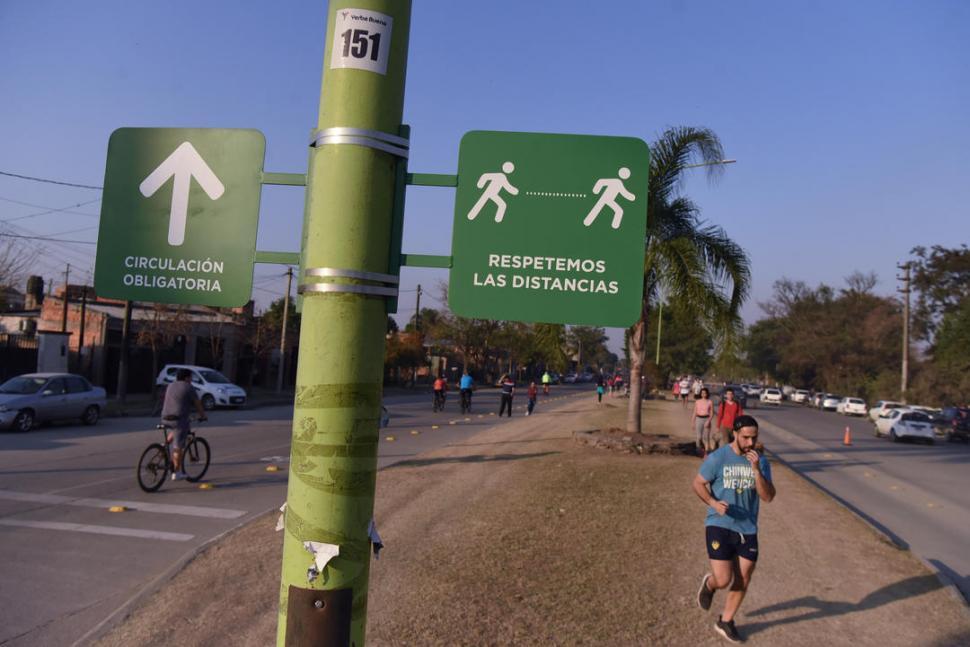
848	119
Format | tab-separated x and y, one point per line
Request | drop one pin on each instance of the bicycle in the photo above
438	401
156	463
466	400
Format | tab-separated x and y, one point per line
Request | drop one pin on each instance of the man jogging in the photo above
180	398
728	411
732	481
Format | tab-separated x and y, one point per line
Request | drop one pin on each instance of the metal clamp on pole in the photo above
376	139
381	290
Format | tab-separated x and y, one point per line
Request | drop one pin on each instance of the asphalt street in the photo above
917	494
70	563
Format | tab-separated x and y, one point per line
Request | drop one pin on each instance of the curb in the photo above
886	534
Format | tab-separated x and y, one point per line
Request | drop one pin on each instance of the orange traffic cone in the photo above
847	438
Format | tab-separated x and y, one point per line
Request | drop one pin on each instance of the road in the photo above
70	563
915	493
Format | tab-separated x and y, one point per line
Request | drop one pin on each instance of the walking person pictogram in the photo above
494	183
608	189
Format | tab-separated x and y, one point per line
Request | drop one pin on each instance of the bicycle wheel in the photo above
195	459
152	467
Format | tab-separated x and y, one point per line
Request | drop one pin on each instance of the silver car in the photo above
39	397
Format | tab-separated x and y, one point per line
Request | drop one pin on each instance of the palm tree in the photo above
686	259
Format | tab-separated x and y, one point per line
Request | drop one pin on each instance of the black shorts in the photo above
727	544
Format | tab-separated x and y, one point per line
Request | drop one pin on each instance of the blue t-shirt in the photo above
466	382
732	481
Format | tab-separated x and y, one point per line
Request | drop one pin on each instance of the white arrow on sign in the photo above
182	165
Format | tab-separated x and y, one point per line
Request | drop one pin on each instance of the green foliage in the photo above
941	278
590	342
685	345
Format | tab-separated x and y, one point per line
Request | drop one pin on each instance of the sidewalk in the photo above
522	536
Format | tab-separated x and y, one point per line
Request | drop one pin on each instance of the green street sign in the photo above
549	228
179	215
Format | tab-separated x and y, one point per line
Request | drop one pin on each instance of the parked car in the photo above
569	379
752	390
882	407
830	402
771	395
912	424
800	396
40	397
851	407
886	420
214	388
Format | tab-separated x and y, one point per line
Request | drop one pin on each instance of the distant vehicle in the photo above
788	390
41	397
752	390
817	400
886	420
881	407
771	395
800	396
569	379
912	424
851	407
830	402
214	388
954	422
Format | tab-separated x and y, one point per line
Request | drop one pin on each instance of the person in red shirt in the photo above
727	412
532	394
440	388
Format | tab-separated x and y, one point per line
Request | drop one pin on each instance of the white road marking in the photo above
140	506
97	530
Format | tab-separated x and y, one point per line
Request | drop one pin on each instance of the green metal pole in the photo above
660	323
350	196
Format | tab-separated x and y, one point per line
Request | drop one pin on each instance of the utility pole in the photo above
80	339
417	311
286	312
123	361
67	274
660	324
355	162
904	381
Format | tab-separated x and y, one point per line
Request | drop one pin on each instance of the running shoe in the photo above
704	595
728	630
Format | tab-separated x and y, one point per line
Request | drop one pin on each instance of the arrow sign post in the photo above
179	215
182	165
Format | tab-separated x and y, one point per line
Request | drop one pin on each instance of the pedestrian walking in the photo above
727	412
508	390
684	390
618	385
703	408
676	390
532	394
599	387
732	482
697	386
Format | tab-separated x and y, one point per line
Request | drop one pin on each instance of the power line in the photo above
48	210
52	240
48	181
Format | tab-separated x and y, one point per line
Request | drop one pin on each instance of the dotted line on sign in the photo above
556	194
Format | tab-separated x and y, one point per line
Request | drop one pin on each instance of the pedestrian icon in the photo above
609	189
494	183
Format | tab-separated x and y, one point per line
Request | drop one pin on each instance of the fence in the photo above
18	355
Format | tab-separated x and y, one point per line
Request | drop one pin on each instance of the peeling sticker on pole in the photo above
361	40
322	554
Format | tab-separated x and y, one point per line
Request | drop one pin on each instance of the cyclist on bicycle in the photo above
466	384
440	388
546	380
180	397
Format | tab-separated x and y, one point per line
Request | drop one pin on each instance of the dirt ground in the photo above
522	536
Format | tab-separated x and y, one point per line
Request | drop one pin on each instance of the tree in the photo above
588	345
941	278
694	263
159	330
14	262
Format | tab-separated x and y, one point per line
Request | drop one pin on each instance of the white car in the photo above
885	421
830	402
214	388
851	407
771	396
882	407
752	390
800	396
912	424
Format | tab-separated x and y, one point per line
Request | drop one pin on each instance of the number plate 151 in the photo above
361	40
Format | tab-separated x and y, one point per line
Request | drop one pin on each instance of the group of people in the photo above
686	385
612	384
709	436
506	385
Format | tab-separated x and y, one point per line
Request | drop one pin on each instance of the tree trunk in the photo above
638	337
